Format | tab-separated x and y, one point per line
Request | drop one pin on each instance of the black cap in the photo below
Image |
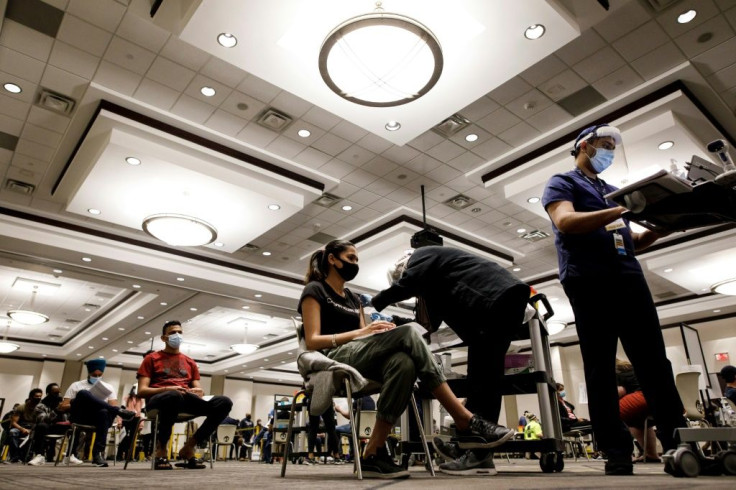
729	374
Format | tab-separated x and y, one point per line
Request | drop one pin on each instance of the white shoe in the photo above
38	460
74	460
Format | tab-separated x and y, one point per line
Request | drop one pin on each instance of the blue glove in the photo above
375	316
365	300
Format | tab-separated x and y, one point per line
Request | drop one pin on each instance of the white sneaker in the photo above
73	460
38	460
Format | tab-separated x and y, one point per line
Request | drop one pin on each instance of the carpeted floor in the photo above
517	474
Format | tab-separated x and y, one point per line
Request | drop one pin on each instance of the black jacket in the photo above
458	287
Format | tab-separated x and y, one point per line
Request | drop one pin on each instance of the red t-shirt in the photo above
169	369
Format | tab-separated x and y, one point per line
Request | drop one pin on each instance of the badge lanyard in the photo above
618	239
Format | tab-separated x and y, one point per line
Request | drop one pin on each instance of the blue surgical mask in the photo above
93	380
601	160
562	393
175	340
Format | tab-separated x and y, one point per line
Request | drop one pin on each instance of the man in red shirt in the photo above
169	381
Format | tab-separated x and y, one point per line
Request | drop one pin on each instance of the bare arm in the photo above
65	405
342	411
195	388
145	391
567	220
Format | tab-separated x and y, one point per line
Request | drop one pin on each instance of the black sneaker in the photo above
99	461
482	434
472	462
619	463
448	450
126	414
380	465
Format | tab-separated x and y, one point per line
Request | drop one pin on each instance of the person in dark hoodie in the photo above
478	299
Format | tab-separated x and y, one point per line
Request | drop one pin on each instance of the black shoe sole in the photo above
485	445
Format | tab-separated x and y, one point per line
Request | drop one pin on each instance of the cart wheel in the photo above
685	462
560	463
548	462
727	461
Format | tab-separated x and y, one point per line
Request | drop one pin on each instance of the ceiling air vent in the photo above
274	120
320	237
19	187
90	306
659	5
249	247
327	200
451	125
460	202
535	236
55	102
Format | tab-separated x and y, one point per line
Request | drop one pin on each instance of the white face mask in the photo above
175	340
93	379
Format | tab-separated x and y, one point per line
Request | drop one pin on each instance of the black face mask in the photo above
348	270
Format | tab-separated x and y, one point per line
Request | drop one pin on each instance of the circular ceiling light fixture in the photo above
534	31
244	347
392	126
471	137
8	347
555	327
727	287
207	91
533	200
179	230
27	317
133	161
666	145
304	133
686	17
380	59
227	40
12	88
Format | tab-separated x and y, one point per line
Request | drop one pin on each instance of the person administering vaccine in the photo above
609	295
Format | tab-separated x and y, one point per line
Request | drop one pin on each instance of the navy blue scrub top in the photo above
594	253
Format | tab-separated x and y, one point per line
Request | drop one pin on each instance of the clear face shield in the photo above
605	150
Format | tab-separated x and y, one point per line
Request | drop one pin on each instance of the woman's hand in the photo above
380	326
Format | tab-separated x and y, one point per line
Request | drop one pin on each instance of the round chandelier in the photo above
244	348
179	230
380	59
8	347
27	317
725	287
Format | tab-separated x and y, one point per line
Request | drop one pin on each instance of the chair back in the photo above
226	433
687	387
367	422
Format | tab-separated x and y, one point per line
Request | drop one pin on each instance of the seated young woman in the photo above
396	356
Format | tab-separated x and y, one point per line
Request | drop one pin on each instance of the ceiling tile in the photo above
519	134
661	59
25	40
184	53
600	64
360	178
379	166
223	72
36	166
331	144
446	151
156	94
129	56
491	149
543	70
192	109
225	123
348	131
312	158
257	135
549	118
460	184
35	150
716	58
364	197
423	163
242	105
10	125
321	118
481	134
529	104
47	119
724	79
466	162
731	17
285	147
402	176
117	78
509	90
83	35
618	82
443	173
581	47
37	134
194	90
260	89
24	175
170	74
64	83
562	85
28	93
668	19
498	121
704	37
623	20
103	13
142	32
71	59
478	109
292	131
640	41
20	65
374	143
356	155
337	168
400	154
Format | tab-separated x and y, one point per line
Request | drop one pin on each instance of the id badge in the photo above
618	242
619	223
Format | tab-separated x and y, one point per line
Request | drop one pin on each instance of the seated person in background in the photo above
134	403
533	429
334	322
32	416
245	430
169	381
53	399
366	403
482	303
264	438
568	418
728	373
5	424
93	405
634	411
328	417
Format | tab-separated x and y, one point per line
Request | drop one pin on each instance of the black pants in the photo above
88	410
171	403
329	419
608	309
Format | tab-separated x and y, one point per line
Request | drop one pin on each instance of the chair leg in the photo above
289	429
420	425
61	449
211	450
71	445
133	442
353	429
155	433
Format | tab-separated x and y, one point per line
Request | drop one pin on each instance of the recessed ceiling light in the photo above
114	350
105	338
79	354
163	303
669	269
121	328
141	317
716	311
90	346
227	40
207	91
94	211
58	271
86	259
246	307
304	133
192	309
666	145
686	17
533	200
147	333
521	230
218	244
258	295
180	279
392	126
347	208
274	207
516	269
130	341
266	253
136	286
534	31
12	88
133	161
471	137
